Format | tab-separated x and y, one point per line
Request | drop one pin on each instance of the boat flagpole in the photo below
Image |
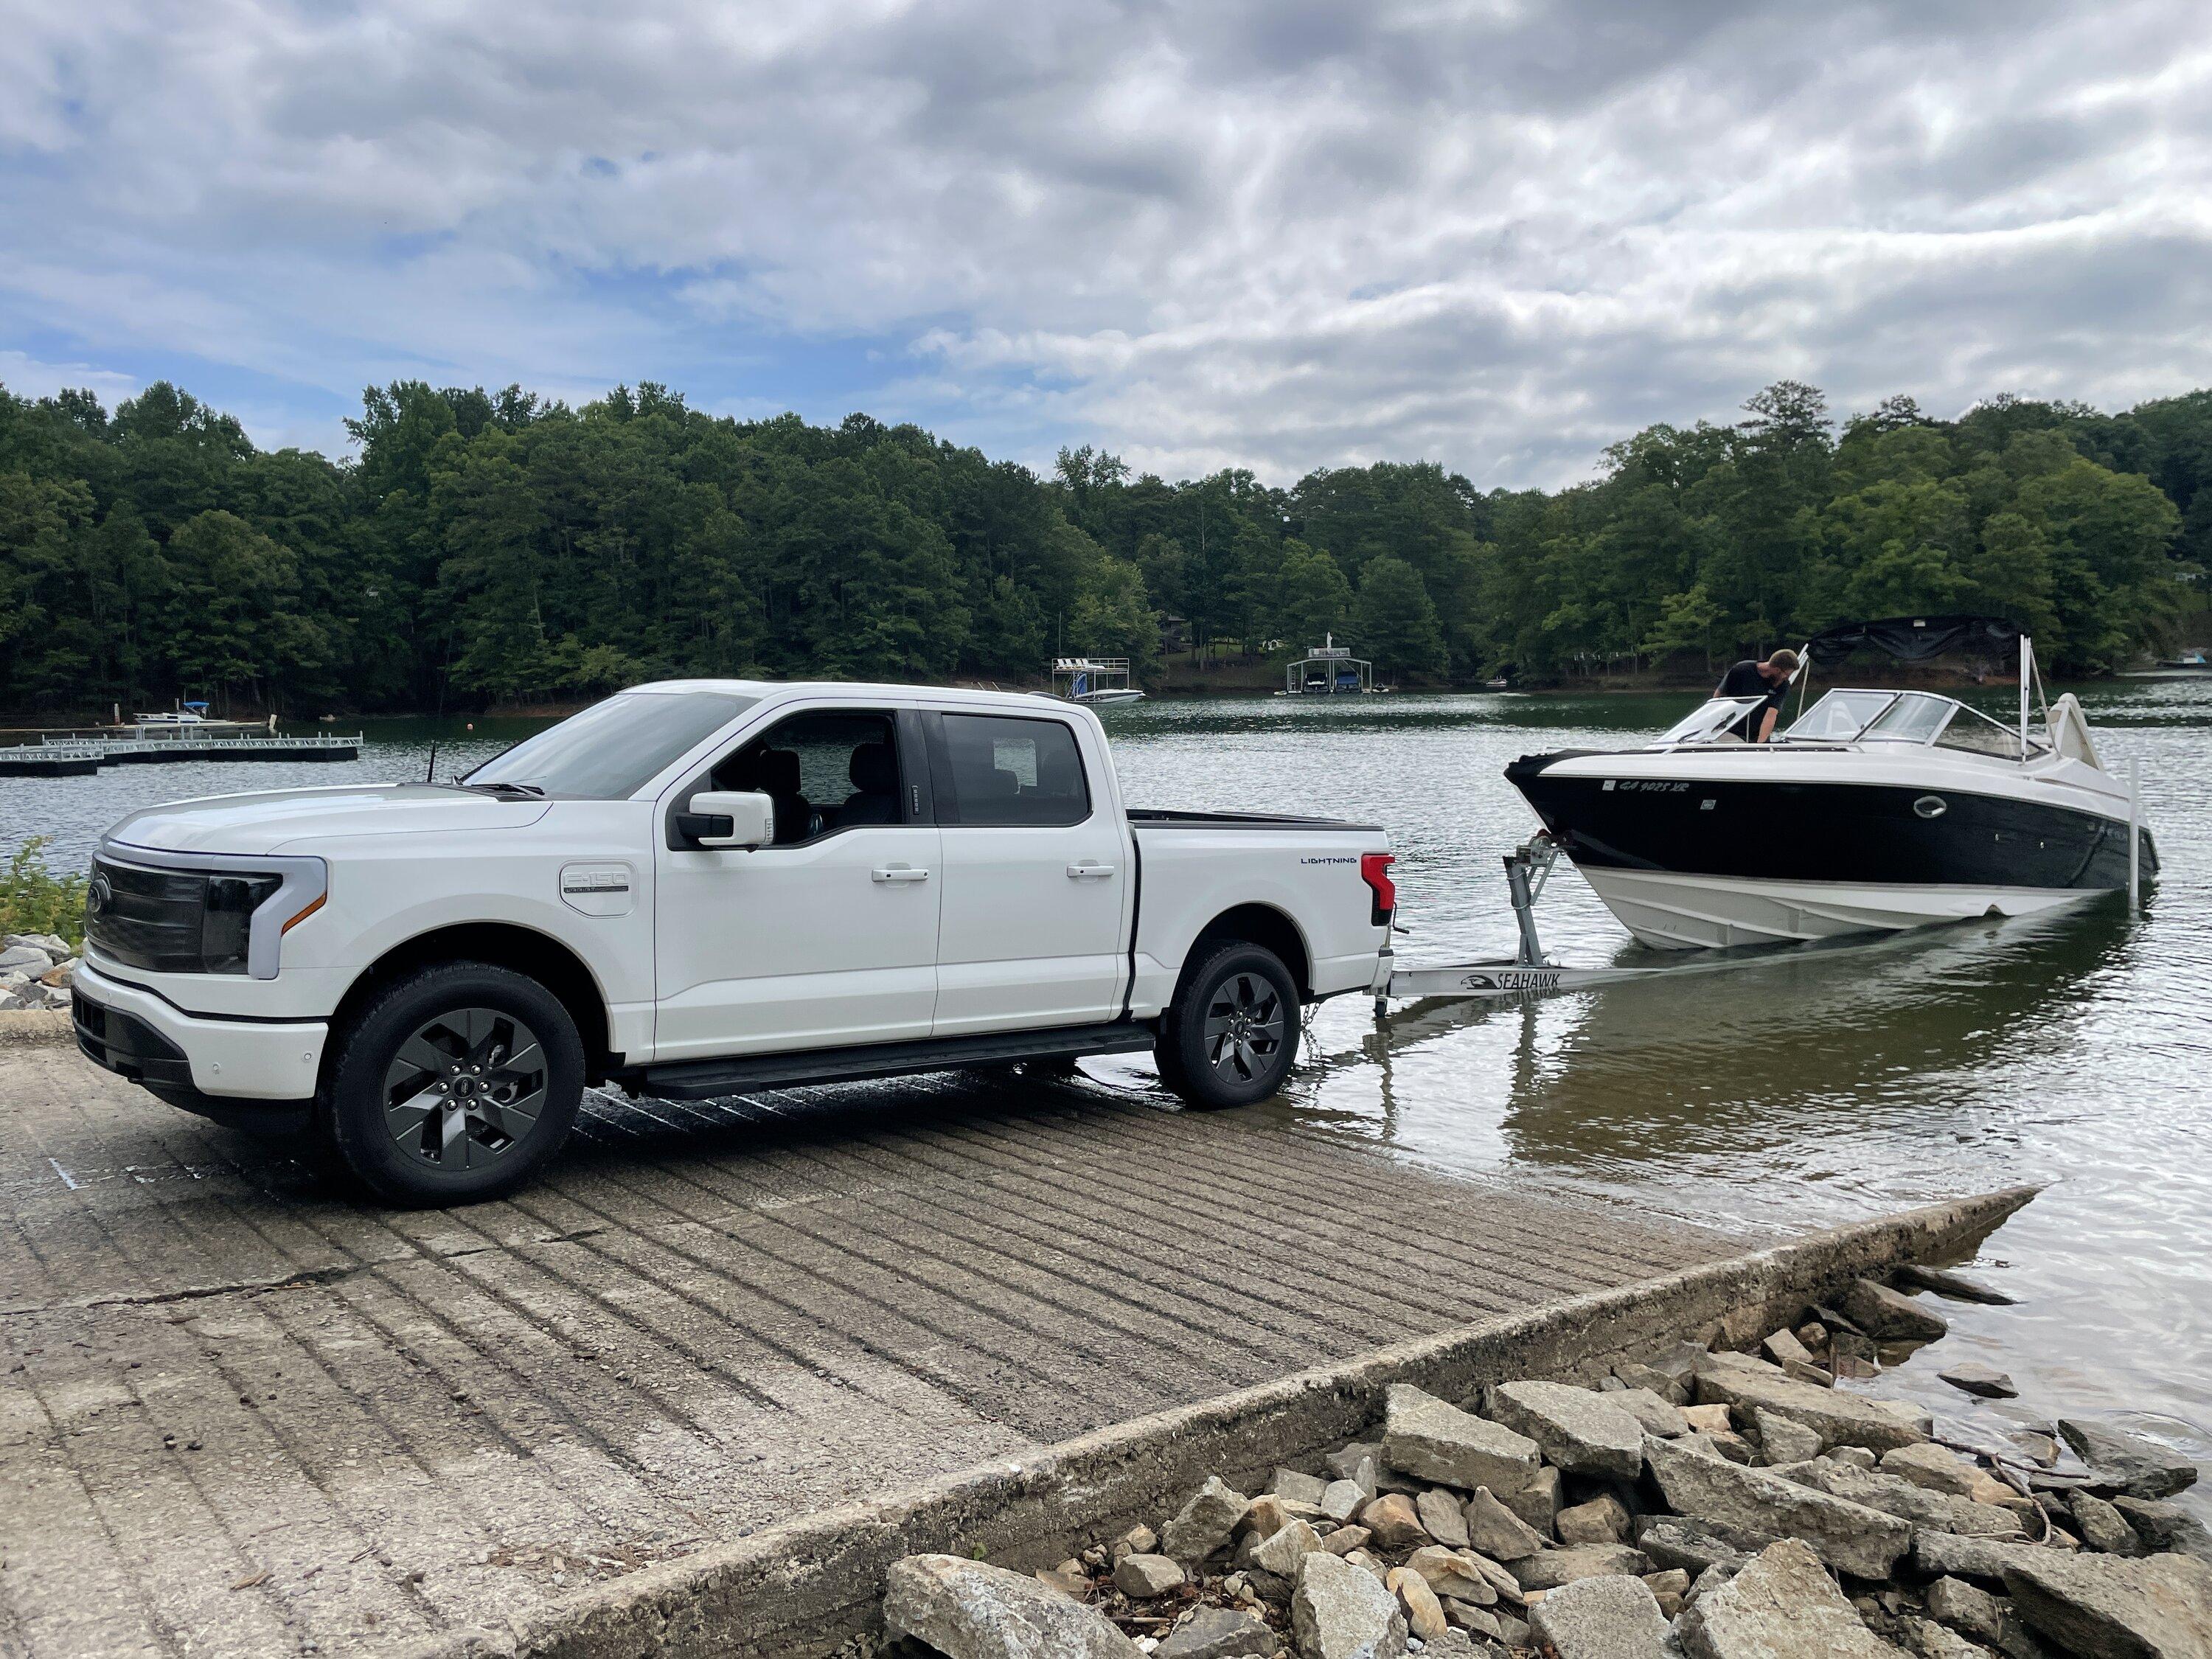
2027	668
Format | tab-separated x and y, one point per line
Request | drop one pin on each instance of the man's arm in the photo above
1766	723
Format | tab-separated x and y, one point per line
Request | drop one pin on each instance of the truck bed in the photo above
1153	817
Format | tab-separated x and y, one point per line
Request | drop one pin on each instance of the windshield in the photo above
1841	715
1707	721
610	750
1915	717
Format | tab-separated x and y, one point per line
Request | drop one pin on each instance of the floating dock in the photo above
70	757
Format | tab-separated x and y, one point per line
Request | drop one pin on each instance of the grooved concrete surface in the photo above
240	1415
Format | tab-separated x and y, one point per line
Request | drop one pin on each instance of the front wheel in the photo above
1230	1035
454	1086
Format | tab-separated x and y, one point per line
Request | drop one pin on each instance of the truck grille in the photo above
147	919
171	922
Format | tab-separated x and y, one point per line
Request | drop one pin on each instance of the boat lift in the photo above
1530	972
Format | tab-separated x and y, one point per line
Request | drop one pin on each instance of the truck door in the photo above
829	935
1036	888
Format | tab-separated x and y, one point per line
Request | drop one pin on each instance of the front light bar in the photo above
299	889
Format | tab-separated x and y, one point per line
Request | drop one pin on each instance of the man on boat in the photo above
1769	680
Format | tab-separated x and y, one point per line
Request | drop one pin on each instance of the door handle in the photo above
891	872
1088	868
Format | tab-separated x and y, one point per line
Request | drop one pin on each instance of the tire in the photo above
1237	991
425	1103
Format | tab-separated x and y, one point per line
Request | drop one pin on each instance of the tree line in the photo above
483	548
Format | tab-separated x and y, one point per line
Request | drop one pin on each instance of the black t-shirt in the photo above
1744	680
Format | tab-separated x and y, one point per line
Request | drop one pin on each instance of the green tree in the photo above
1394	622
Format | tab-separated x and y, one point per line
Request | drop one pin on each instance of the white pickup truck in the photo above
701	888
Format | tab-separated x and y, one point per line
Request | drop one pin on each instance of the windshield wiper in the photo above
513	791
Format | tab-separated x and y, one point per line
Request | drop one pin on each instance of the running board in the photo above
711	1079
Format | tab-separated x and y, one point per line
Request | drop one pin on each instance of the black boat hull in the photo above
1697	862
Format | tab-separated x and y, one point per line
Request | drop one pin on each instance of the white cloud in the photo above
1276	235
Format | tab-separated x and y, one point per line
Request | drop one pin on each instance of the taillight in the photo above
1375	870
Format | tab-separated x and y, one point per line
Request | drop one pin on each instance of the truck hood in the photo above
285	820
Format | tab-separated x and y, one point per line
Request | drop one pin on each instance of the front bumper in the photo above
139	1036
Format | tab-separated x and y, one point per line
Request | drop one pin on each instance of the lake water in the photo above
2073	1051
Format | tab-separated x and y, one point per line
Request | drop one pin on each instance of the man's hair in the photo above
1786	660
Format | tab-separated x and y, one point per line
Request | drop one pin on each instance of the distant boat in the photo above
2186	659
1094	680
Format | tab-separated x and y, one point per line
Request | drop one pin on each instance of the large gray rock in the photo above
1890	1315
1846	1535
1936	1510
2102	1527
1966	1608
1927	1639
1538	1502
2161	1608
967	1610
1439	1513
1842	1417
1205	1524
1425	1436
1495	1530
1784	1439
1281	1552
1579	1430
1684	1541
1342	1612
2137	1467
2166	1526
1940	1469
1656	1415
1304	1488
1554	1568
1602	1618
1783	1606
1140	1577
1982	1559
1218	1633
25	959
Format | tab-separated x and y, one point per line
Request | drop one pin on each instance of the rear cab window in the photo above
1008	771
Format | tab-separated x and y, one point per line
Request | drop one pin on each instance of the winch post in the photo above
1518	864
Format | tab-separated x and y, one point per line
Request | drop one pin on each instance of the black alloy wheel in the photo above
1230	1036
452	1085
465	1088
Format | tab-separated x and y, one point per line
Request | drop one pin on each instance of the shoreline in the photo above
19	726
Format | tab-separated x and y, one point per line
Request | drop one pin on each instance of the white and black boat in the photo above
1875	809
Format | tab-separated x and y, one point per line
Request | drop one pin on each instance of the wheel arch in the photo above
1254	924
520	950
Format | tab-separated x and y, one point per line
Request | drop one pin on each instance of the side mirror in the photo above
728	817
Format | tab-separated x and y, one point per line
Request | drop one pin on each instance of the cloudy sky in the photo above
1277	235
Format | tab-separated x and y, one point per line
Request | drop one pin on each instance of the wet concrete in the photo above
240	1414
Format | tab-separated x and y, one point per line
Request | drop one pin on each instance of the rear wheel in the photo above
454	1086
1230	1036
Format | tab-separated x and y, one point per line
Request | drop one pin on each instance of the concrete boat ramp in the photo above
241	1415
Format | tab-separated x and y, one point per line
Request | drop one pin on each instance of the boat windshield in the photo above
1839	717
1709	722
1914	717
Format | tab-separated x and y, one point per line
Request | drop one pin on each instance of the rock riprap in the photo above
1344	1612
1787	1514
968	1610
1578	1431
1433	1440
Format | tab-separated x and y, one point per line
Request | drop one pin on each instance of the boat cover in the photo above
1914	639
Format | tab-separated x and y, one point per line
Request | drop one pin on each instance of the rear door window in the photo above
1009	771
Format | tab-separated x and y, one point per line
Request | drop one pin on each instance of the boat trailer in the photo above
1530	972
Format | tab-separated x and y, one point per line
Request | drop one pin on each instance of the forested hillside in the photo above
491	548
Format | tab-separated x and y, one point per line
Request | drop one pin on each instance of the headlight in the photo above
231	902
